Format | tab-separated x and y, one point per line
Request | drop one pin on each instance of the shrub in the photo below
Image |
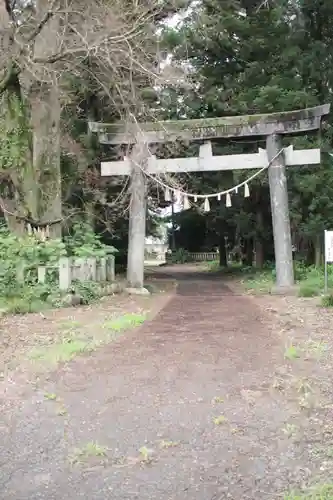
84	242
179	256
28	253
327	300
308	290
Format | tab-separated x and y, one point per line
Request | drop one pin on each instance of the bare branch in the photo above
112	44
47	16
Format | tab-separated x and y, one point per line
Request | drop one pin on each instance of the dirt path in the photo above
193	389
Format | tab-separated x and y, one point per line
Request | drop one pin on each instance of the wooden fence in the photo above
70	269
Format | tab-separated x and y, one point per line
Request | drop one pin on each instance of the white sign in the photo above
329	246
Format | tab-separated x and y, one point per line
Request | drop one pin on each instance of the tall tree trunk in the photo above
10	96
222	252
45	121
310	253
318	251
248	252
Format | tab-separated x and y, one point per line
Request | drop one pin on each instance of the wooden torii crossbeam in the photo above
271	126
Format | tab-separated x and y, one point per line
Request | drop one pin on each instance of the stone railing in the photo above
192	257
71	269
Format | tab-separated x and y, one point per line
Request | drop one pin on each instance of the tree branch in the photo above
9	9
35	223
47	16
59	56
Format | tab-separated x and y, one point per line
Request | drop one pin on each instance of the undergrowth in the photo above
323	492
20	291
309	279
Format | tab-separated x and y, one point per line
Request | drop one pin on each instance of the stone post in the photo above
65	277
280	214
137	219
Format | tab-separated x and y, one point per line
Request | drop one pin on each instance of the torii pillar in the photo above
280	215
137	217
272	126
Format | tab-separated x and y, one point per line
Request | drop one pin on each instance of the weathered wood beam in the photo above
206	163
289	122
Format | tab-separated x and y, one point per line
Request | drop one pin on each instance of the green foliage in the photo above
26	251
124	322
74	340
307	290
327	300
14	135
310	279
89	291
84	242
179	256
322	492
276	58
261	281
292	352
21	256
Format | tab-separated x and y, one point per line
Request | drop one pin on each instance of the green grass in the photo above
290	430
259	282
60	352
89	450
75	342
217	400
146	454
213	266
327	300
221	419
310	280
292	352
165	444
36	298
323	492
308	290
21	305
50	396
124	322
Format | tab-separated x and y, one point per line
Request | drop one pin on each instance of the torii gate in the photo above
271	126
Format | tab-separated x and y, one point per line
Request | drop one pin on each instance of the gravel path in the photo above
191	388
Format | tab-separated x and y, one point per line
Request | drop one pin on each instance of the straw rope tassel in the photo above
206	205
228	200
187	205
167	194
246	191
